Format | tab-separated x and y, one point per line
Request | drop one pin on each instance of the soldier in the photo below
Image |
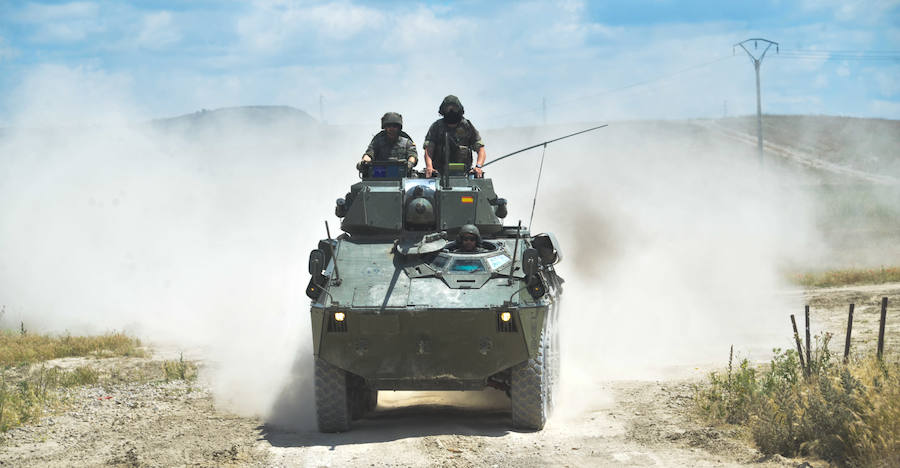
468	240
453	134
391	143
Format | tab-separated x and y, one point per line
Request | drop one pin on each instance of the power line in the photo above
857	55
839	57
609	91
845	51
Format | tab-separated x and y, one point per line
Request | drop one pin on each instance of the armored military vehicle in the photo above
397	305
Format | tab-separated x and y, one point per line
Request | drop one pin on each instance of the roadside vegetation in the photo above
30	388
179	370
831	278
845	413
19	347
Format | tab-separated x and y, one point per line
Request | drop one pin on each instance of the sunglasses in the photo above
469	238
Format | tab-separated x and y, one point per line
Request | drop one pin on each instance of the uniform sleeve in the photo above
476	143
431	137
411	150
371	149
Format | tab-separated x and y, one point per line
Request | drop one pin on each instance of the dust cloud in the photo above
191	234
197	234
674	248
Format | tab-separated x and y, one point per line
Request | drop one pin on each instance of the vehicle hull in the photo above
432	349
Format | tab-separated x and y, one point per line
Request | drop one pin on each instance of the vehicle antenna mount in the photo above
337	275
512	266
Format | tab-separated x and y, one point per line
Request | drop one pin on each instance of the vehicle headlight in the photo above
505	316
339	316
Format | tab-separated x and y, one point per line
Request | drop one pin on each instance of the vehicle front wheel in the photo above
332	405
530	389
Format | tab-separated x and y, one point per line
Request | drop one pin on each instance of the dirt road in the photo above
634	423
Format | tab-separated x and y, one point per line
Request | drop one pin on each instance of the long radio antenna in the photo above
536	185
544	144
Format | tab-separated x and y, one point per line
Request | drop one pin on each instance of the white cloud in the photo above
882	108
868	11
368	58
65	22
274	25
42	13
843	70
157	30
887	81
7	52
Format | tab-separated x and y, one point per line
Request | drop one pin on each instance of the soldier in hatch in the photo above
468	240
455	135
391	143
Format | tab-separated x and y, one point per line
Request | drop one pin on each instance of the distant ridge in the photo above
255	115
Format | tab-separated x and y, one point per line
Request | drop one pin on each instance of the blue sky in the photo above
67	62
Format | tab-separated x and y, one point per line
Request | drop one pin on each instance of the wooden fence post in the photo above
881	327
808	353
849	329
799	346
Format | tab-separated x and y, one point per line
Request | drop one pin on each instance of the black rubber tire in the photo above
332	404
362	398
530	390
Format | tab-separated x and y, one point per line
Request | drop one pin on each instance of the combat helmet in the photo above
469	229
451	99
391	118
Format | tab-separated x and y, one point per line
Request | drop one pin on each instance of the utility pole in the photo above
756	61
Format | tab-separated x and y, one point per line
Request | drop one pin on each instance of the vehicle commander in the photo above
455	135
391	143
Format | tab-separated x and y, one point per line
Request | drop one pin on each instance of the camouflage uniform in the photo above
463	140
382	149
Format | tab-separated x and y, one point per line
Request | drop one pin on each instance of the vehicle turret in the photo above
388	202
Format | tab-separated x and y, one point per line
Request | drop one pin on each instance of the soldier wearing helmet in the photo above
452	139
391	143
468	240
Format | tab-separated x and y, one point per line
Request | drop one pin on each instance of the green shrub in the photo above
179	370
847	414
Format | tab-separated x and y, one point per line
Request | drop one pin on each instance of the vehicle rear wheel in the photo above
371	399
332	405
530	389
362	398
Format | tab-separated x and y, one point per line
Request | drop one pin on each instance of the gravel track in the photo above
639	423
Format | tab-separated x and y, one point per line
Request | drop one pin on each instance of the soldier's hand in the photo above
429	171
366	160
479	173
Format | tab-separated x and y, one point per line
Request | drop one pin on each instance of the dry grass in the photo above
29	389
25	399
846	414
846	277
19	348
